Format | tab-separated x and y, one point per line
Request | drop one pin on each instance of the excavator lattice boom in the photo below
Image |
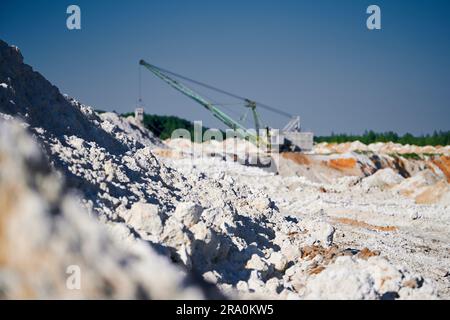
291	135
219	114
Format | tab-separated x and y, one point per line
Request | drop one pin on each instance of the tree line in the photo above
437	138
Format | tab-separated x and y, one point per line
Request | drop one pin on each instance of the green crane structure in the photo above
252	135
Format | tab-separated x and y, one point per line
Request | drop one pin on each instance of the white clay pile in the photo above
132	206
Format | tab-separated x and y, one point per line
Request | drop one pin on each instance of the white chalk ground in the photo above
421	241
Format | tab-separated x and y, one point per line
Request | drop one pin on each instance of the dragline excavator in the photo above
289	138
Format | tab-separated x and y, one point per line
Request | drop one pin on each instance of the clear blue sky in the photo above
312	58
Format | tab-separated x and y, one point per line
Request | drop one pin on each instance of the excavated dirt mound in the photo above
45	236
246	231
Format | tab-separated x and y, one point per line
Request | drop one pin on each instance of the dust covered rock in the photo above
44	234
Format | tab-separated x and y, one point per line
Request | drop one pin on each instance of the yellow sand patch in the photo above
168	153
362	224
342	164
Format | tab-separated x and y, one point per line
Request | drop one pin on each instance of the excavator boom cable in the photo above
259	104
223	117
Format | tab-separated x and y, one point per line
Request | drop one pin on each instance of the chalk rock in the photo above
274	285
261	204
145	217
188	213
254	282
290	251
417	289
278	260
320	233
374	278
207	246
382	179
342	280
211	276
173	234
242	286
256	263
121	232
200	231
414	215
